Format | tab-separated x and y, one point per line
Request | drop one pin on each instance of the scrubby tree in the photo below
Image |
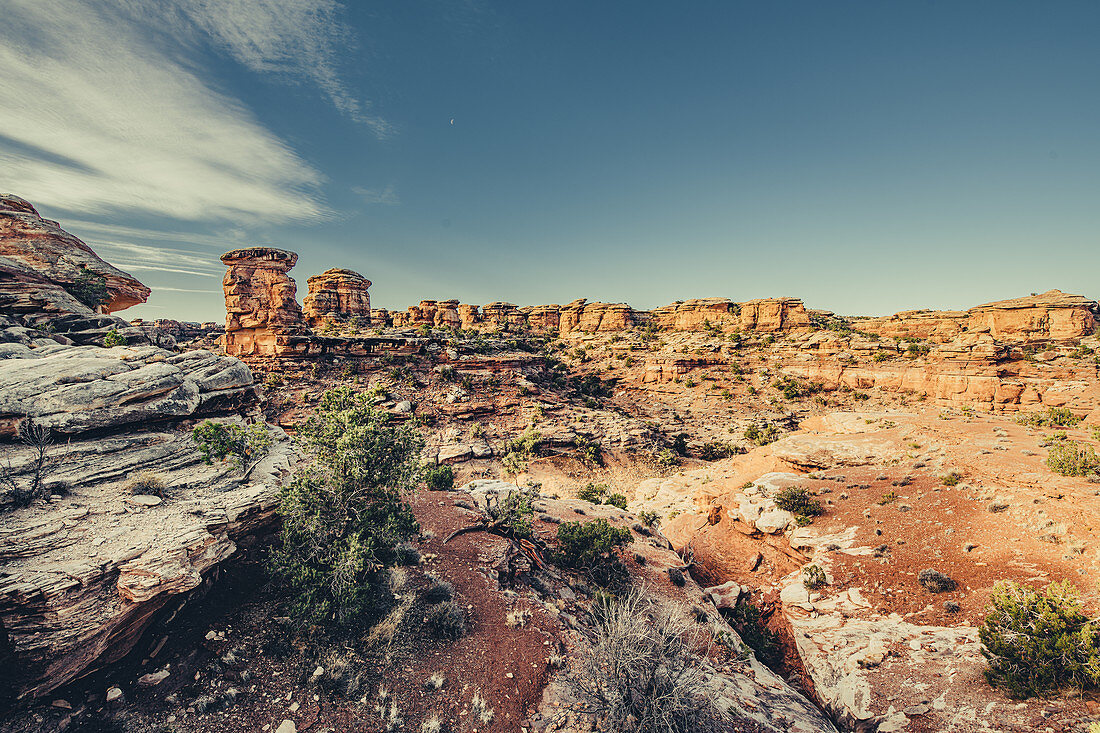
343	515
1038	640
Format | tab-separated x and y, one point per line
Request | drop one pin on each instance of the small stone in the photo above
154	678
113	694
287	726
318	672
63	704
145	500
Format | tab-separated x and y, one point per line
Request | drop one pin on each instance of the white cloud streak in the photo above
105	112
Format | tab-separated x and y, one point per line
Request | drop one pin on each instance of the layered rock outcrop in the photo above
83	576
262	311
337	296
697	313
1051	316
1054	316
40	262
772	315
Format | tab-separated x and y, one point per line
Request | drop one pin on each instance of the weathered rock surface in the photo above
260	304
39	260
82	576
74	389
338	296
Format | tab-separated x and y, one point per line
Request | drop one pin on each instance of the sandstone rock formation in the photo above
1054	315
83	576
771	315
260	304
694	314
339	296
39	260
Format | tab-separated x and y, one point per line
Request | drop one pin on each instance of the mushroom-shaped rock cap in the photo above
278	258
337	274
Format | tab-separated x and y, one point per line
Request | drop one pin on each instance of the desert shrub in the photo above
512	511
240	444
748	622
616	500
936	582
439	478
1070	458
601	494
114	338
343	516
650	519
676	575
951	478
794	389
90	288
1054	417
800	501
518	452
438	590
680	444
446	620
588	451
481	709
591	547
40	440
665	457
762	433
716	450
641	672
146	482
813	577
1035	641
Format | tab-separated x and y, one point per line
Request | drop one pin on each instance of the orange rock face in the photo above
1054	315
772	315
338	296
39	260
260	303
939	326
695	314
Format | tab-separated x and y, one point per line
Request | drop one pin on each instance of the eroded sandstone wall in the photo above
338	296
261	308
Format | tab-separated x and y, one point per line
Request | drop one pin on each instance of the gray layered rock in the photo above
84	575
74	389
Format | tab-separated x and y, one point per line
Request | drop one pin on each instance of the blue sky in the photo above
867	157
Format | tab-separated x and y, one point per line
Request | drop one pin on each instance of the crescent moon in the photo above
452	121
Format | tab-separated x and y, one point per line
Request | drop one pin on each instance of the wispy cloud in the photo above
298	38
386	196
105	112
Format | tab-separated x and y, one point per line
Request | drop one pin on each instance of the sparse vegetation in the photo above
22	493
762	433
90	288
343	517
800	501
951	478
1054	417
601	494
813	577
114	338
439	478
146	482
716	450
242	445
1035	641
641	672
1070	458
